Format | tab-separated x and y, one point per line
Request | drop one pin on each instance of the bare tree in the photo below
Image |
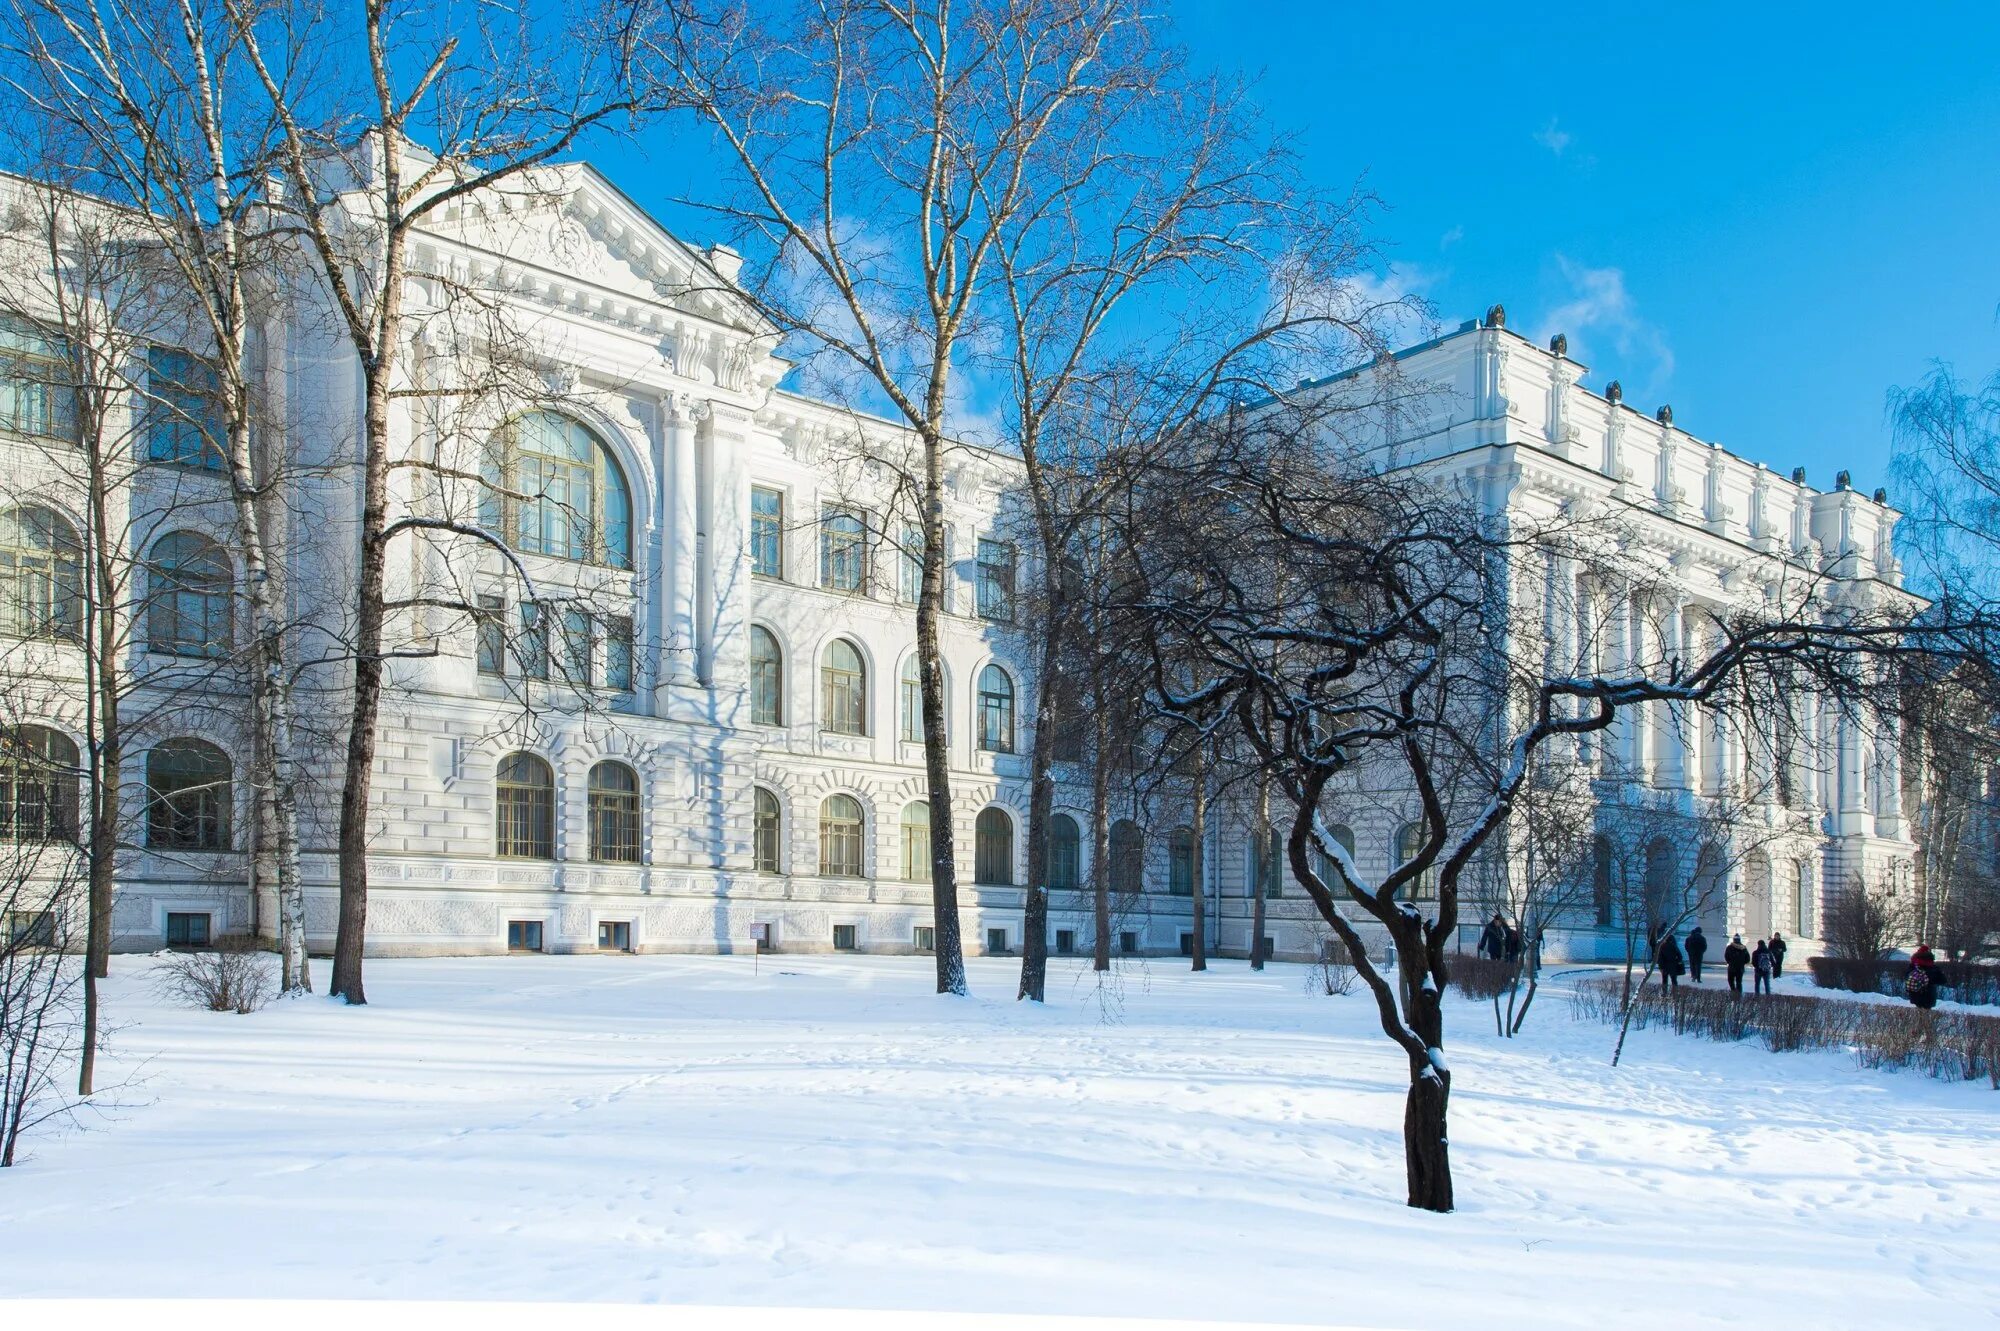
490	96
43	897
1389	648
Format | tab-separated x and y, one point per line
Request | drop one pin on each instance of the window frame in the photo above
993	847
524	811
843	839
171	824
844	691
996	580
767	678
602	537
843	550
42	590
767	534
614	813
996	710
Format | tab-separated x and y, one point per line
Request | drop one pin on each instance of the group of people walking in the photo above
1766	963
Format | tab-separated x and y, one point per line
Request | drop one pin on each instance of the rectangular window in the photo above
1270	947
1066	941
524	935
534	646
926	938
843	551
910	700
996	942
843	938
37	376
1128	942
579	643
489	627
31	928
187	929
182	423
618	654
1187	943
910	565
767	532
996	581
614	936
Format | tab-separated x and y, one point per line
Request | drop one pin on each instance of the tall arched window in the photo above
1267	873
1180	862
1128	856
1065	852
767	678
916	829
525	810
993	847
41	575
555	489
844	689
188	596
1600	879
187	796
614	813
39	781
840	837
1409	843
996	710
765	831
1660	870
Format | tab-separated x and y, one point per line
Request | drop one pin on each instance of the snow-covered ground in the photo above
824	1132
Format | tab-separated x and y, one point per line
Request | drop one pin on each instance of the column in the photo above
1672	767
681	413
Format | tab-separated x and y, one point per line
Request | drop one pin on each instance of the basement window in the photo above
1128	942
1066	941
996	942
926	938
614	936
843	938
187	929
524	935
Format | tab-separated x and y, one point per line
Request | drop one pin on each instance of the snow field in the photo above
824	1132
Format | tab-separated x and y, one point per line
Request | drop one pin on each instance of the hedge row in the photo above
1968	983
1952	1045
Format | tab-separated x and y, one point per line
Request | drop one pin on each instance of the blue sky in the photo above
1765	215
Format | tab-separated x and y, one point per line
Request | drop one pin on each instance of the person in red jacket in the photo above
1921	983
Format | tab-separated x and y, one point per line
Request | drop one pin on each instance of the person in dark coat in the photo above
1513	945
1760	965
1669	958
1697	948
1777	946
1921	983
1735	959
1493	938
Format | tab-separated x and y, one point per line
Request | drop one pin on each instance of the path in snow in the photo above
826	1132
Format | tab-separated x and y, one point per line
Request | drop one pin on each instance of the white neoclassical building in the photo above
701	735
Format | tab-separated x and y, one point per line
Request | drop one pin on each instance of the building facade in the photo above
698	734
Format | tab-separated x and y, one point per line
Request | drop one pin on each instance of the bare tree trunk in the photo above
1100	843
359	772
948	945
1197	866
1426	1149
1261	868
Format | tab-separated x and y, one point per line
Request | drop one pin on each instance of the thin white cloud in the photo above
1600	313
1451	237
1553	137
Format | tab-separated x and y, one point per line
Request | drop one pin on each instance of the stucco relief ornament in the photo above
570	245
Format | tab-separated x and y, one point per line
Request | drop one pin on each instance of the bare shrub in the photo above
234	976
1333	974
1861	924
1481	977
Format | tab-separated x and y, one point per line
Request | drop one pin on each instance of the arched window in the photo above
1340	834
840	837
1409	843
765	832
525	813
996	710
614	813
844	687
1180	862
1065	850
38	785
188	597
916	829
1128	856
1600	879
1660	869
555	489
187	796
910	700
1266	863
767	678
993	847
41	575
